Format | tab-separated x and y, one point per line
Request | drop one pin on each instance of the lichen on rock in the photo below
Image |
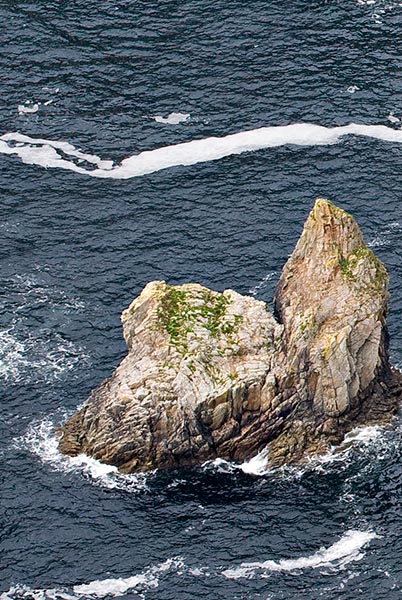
212	374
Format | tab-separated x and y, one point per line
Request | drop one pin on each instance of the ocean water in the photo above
185	141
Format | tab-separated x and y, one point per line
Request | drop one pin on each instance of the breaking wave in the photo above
258	465
346	550
41	440
50	153
144	581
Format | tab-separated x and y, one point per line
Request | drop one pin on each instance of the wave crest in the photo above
346	550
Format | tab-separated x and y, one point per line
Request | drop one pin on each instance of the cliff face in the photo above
210	374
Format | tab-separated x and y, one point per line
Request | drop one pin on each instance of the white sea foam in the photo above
392	118
362	435
11	356
352	89
118	586
386	236
258	465
29	291
253	291
172	119
114	587
337	556
28	109
49	153
346	550
19	592
380	8
24	357
41	440
362	438
36	355
220	465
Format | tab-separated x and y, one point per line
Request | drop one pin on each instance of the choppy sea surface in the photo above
185	141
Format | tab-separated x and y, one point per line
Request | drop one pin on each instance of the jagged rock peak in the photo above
328	232
212	374
331	299
329	257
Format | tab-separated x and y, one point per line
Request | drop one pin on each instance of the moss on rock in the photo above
185	312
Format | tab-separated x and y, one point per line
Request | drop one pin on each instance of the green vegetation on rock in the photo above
181	312
348	266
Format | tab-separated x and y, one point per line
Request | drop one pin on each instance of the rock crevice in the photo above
213	374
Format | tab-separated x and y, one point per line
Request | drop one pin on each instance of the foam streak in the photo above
99	588
48	153
346	550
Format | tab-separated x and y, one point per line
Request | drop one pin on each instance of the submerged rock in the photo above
217	375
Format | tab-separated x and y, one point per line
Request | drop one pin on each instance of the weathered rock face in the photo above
210	374
191	385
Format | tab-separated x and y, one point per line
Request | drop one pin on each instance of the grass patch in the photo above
361	253
181	312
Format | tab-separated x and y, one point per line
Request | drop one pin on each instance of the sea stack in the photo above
212	374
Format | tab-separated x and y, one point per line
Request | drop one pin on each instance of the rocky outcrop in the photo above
210	374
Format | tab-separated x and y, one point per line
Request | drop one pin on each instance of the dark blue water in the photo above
75	249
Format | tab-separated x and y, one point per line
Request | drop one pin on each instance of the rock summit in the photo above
212	374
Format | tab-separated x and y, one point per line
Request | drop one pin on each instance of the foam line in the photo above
99	588
118	587
49	154
346	550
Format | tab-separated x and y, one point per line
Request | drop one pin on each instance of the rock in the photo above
217	375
